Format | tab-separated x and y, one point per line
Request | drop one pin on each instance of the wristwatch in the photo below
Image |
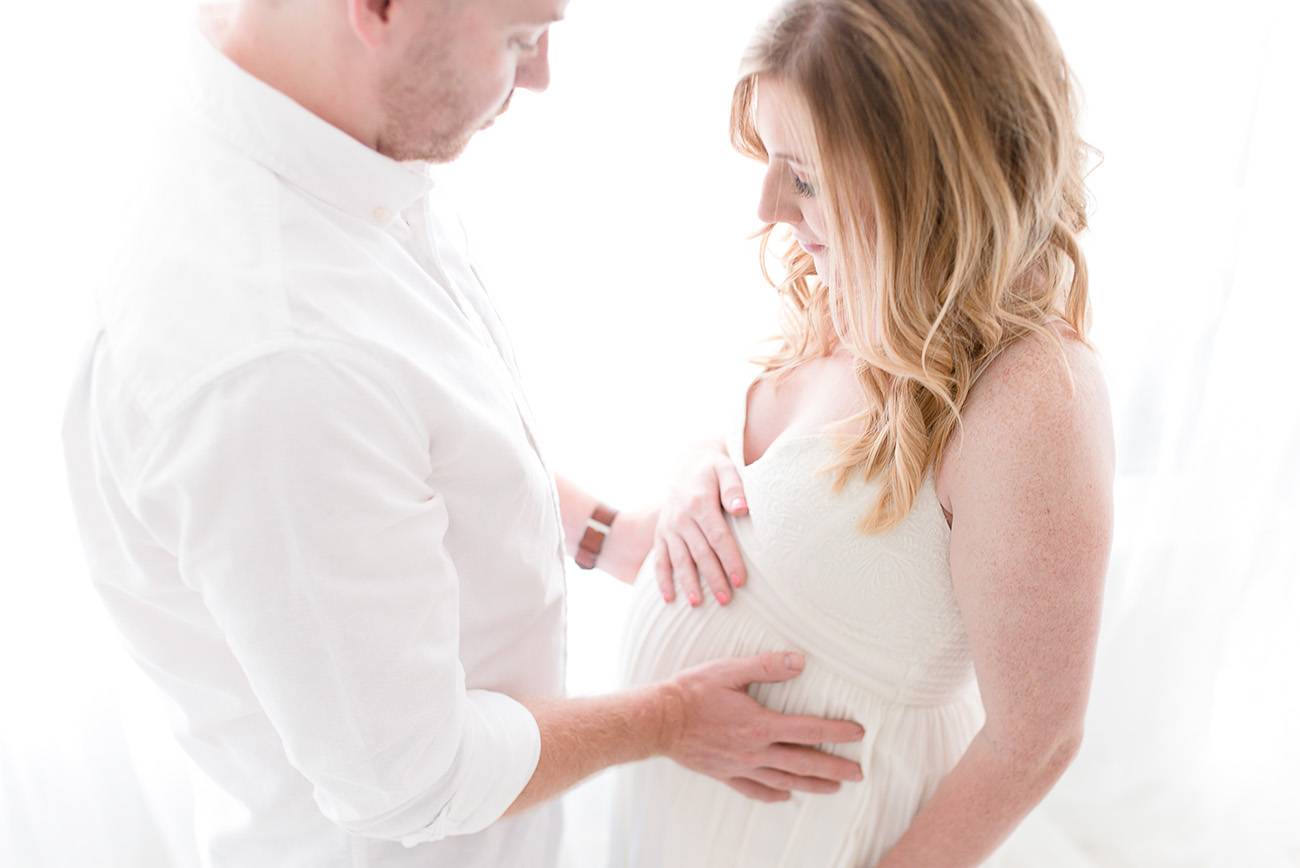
598	527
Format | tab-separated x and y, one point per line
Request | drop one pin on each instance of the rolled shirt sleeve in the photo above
295	491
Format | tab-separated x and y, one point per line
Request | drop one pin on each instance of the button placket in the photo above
428	252
476	319
486	335
496	328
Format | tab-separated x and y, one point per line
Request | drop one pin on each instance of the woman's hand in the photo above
692	538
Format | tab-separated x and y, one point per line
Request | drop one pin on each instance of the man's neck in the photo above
252	39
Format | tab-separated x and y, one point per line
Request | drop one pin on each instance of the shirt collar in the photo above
299	146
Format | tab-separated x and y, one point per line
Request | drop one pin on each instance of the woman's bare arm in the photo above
1030	491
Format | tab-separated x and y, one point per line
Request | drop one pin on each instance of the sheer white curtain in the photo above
609	217
89	775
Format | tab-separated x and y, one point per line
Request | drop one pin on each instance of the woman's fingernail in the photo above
794	661
695	601
723	597
737	503
737	579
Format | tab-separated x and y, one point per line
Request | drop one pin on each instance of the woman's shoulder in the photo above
1035	372
1038	400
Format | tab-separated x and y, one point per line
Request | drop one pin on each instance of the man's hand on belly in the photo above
716	728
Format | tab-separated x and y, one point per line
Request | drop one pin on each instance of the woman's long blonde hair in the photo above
943	138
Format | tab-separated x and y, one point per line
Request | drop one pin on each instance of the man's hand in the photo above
716	728
702	718
692	538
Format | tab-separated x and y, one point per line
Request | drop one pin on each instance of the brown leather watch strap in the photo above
598	527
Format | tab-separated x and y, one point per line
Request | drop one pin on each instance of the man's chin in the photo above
448	148
443	151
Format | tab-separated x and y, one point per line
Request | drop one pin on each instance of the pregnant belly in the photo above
661	639
905	754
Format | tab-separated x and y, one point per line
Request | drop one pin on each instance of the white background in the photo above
610	218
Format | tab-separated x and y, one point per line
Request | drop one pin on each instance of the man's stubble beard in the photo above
400	145
424	118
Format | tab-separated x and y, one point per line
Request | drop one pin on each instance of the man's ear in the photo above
369	20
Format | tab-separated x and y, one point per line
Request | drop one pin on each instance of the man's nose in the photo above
536	73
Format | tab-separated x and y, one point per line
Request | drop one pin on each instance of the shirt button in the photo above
382	215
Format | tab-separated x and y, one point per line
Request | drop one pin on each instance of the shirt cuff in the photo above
501	747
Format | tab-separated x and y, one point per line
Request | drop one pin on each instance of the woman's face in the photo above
790	192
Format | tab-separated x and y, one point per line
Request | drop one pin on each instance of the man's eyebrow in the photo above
545	21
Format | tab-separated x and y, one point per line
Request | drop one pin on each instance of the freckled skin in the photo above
1029	487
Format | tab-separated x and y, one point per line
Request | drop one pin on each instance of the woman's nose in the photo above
777	204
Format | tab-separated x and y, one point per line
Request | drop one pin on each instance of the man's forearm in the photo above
585	735
576	506
629	538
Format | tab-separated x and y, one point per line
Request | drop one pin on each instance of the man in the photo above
306	478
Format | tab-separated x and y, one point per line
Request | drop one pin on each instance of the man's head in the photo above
447	68
414	79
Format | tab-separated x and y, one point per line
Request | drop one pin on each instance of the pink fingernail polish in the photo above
723	598
695	601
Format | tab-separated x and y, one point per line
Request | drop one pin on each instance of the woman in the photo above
927	457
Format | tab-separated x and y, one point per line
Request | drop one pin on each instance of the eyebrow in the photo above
790	159
544	21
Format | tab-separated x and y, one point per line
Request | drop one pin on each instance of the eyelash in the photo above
802	187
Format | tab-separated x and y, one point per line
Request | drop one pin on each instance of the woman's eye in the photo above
802	187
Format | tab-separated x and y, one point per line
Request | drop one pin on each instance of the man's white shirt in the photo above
311	497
